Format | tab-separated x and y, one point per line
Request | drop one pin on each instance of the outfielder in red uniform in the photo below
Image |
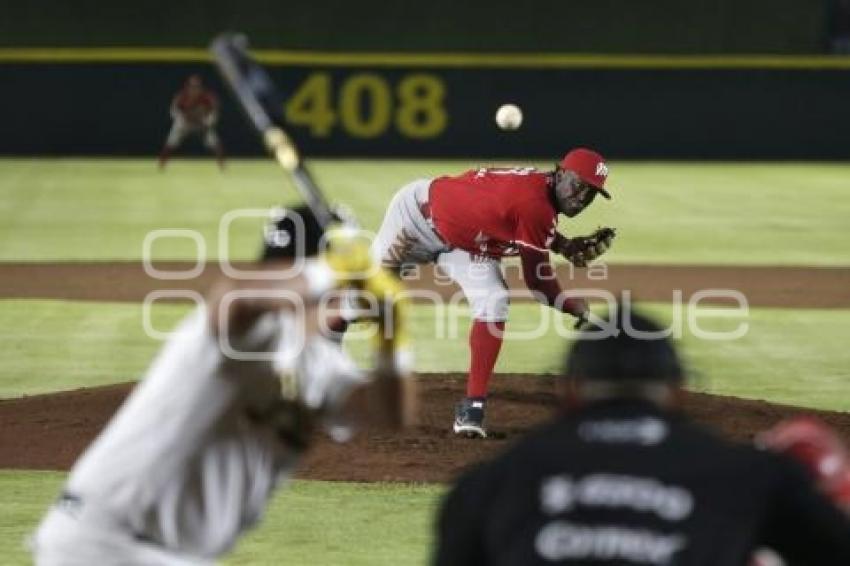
465	224
194	111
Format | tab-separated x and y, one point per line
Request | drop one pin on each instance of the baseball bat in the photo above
261	103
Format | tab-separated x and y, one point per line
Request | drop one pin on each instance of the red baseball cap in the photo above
589	166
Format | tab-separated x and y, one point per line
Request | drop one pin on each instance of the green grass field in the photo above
667	213
346	516
791	356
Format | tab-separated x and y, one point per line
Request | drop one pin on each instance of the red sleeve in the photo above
540	277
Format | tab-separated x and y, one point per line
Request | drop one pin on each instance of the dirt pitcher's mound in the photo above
49	431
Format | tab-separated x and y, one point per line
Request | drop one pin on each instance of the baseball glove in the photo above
581	250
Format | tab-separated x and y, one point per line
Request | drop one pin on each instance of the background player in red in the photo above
465	224
194	110
821	451
819	448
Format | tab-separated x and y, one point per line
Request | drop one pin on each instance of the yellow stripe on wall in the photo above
438	60
102	55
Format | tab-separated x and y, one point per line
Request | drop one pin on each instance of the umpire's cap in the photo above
626	352
291	233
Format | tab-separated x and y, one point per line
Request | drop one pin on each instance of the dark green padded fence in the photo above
776	109
579	26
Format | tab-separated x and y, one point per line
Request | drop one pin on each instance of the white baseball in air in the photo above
509	117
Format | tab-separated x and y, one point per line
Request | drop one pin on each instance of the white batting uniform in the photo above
407	237
192	457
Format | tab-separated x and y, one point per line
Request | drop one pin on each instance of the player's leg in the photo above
213	143
175	137
484	286
79	537
405	238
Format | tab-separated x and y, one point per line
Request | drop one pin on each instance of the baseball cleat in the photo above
469	418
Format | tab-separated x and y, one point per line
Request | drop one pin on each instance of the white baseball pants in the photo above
406	237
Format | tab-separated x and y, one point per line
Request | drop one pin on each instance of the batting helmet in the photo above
291	233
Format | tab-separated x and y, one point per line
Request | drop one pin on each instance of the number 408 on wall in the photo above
367	105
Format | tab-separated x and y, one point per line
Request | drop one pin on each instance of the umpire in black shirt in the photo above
623	479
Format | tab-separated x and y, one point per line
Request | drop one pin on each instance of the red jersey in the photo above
499	212
195	109
494	212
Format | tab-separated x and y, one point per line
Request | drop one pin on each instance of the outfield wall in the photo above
420	105
602	26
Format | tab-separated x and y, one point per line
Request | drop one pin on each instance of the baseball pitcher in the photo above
466	223
191	459
194	111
